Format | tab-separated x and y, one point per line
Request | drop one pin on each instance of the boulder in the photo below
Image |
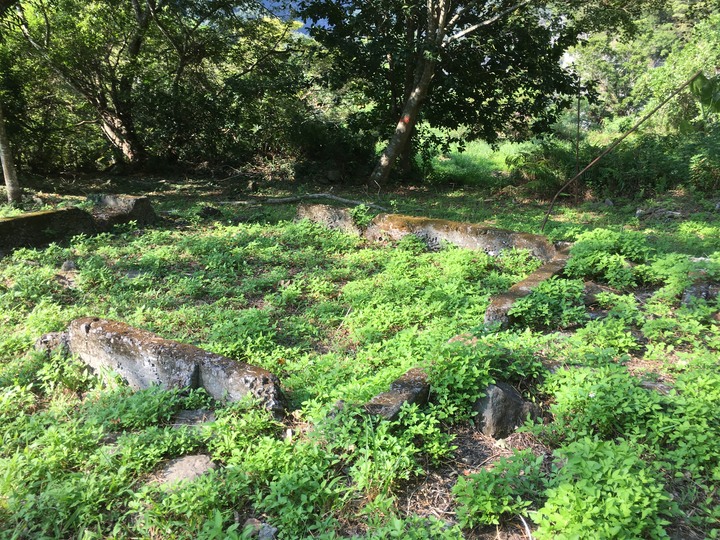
37	229
502	411
413	387
144	359
492	241
112	210
329	216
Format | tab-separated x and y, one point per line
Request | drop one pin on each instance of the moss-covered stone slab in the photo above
386	227
331	217
37	229
144	359
497	311
111	210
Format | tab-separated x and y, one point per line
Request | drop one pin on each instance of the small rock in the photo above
608	202
186	468
591	292
260	530
502	410
209	212
68	266
51	342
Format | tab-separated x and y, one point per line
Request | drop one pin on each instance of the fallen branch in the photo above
298	198
614	144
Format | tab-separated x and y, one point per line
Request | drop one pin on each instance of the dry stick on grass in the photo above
298	198
613	145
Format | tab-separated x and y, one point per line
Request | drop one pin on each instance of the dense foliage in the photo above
628	446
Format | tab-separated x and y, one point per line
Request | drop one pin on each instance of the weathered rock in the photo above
497	311
591	291
112	210
51	342
702	290
386	227
413	387
258	529
502	411
144	359
184	469
37	229
329	216
193	418
68	266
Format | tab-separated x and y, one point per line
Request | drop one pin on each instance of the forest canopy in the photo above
147	85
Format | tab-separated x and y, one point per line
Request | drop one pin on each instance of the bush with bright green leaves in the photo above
555	303
457	377
603	489
604	402
513	487
607	256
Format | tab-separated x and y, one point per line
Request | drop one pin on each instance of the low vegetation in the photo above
628	446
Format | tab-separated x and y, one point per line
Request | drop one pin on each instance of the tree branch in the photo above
486	22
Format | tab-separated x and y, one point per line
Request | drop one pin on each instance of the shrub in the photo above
603	489
510	488
607	255
555	303
457	377
601	402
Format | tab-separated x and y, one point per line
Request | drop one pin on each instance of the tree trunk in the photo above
122	137
404	129
14	193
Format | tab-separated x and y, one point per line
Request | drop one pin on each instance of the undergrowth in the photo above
338	319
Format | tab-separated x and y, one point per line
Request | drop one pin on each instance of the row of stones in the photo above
37	229
144	359
393	227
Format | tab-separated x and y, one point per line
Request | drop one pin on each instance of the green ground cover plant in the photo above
337	319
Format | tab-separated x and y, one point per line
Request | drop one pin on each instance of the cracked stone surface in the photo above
144	359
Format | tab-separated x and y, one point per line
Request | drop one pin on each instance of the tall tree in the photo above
487	65
12	186
140	63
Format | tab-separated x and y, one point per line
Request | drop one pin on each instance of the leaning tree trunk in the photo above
14	193
403	131
122	136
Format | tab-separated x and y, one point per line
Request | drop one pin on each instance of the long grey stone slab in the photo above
144	359
412	387
386	227
37	229
497	311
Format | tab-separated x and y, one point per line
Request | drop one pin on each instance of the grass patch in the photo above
337	319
